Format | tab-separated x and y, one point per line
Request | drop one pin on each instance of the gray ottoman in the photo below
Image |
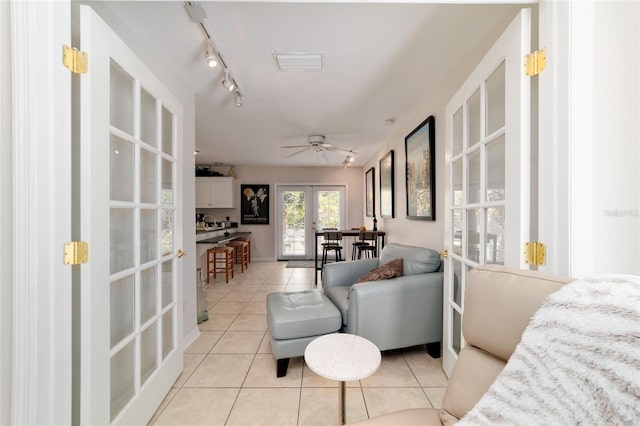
295	319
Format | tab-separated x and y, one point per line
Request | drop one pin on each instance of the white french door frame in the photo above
41	352
311	214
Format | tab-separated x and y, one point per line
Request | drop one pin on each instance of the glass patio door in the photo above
130	205
488	172
302	210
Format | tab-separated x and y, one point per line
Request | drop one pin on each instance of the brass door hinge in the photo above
535	253
76	253
444	254
535	63
75	60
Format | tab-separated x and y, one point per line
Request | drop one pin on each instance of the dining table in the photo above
379	243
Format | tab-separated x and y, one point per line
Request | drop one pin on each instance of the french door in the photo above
130	209
303	209
488	172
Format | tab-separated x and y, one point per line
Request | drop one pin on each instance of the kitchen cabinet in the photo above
215	192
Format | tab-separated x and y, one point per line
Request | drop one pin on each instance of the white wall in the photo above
420	232
6	228
160	67
616	138
263	236
590	137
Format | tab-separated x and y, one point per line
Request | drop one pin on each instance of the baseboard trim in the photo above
190	338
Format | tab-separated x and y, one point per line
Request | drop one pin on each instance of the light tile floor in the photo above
229	375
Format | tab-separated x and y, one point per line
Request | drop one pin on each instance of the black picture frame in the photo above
420	171
387	185
370	192
254	204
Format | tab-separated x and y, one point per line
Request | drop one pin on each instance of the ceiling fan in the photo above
319	144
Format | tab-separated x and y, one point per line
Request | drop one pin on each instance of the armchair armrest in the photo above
346	273
399	312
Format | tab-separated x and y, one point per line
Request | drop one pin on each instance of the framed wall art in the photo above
387	173
369	186
420	171
254	204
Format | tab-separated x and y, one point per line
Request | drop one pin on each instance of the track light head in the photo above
228	82
211	58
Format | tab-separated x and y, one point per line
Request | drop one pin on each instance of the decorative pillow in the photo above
388	270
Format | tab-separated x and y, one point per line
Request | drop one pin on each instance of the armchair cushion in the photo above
416	260
388	270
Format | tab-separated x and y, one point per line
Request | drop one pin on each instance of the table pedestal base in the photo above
342	412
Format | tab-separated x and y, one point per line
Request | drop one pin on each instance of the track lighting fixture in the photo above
347	161
210	57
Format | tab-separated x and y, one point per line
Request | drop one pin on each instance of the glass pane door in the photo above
294	219
486	194
130	205
301	211
142	236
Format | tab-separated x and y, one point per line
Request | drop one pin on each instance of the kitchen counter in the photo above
223	238
204	234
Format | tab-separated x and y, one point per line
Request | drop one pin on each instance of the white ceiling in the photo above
382	60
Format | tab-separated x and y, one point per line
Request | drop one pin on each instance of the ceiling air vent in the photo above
298	61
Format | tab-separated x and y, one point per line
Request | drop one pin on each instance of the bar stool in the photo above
367	248
332	243
241	252
356	244
248	241
222	260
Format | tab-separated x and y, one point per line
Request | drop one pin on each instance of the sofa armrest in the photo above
398	312
346	273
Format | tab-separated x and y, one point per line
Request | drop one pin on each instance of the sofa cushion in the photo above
416	260
499	302
388	270
339	296
577	361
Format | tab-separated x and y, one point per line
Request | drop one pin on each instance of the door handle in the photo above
181	253
444	254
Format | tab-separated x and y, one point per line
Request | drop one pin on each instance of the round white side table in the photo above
342	357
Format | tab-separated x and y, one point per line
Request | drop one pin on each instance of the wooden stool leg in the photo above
207	260
227	255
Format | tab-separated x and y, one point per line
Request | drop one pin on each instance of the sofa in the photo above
392	313
540	350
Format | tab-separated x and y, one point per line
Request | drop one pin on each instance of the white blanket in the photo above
578	361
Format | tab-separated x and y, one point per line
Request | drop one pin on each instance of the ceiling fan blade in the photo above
324	154
295	146
296	153
348	151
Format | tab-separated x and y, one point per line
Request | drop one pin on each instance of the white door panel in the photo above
131	308
488	172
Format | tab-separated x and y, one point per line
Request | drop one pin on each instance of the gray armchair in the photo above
393	313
